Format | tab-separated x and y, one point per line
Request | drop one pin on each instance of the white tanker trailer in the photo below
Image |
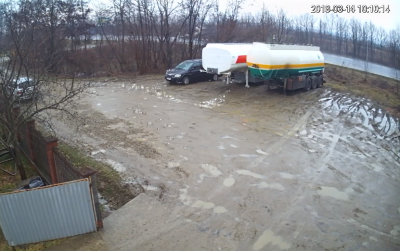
291	66
228	59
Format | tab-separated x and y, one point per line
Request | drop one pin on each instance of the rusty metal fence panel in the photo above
66	171
24	138
40	152
47	213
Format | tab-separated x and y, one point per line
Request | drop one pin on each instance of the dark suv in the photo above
189	71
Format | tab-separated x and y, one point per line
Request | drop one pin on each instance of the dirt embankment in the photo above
382	91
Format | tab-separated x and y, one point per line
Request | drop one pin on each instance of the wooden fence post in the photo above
30	126
15	111
50	143
89	172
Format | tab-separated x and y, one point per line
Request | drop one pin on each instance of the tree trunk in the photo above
18	159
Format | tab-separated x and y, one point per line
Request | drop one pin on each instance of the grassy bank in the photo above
382	91
109	182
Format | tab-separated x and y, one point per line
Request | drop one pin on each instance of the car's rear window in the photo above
24	85
184	65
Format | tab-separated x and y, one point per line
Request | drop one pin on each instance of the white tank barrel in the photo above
225	58
268	61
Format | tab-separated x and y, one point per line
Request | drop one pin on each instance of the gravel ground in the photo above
251	167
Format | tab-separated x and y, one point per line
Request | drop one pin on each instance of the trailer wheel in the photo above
314	82
320	82
186	80
308	85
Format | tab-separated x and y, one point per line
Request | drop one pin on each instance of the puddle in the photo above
377	168
228	182
228	137
221	147
116	166
104	203
211	169
137	110
180	136
99	151
268	237
173	164
220	210
395	231
373	238
248	173
259	151
202	204
117	126
150	188
372	118
287	176
248	155
188	201
334	193
201	178
212	103
264	184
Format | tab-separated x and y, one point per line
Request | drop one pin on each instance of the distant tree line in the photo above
147	36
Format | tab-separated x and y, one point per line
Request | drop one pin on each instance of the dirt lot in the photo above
251	167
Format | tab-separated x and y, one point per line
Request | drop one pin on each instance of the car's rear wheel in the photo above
215	77
186	80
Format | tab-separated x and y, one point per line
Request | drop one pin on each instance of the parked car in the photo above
23	88
189	71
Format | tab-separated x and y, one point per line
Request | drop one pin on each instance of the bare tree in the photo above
282	26
227	21
330	24
322	31
346	36
355	35
340	33
381	37
22	77
164	34
394	41
372	39
265	24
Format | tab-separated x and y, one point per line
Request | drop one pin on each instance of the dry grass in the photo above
380	90
109	182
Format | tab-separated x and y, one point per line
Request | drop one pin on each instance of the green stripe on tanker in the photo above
280	73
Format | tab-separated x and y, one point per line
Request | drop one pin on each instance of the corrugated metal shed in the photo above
47	213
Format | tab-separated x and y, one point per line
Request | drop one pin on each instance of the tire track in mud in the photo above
277	146
97	126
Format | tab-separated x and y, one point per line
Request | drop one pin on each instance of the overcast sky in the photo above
298	7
